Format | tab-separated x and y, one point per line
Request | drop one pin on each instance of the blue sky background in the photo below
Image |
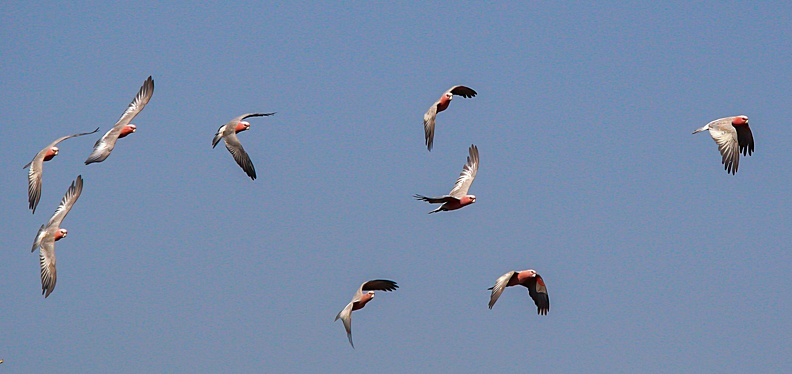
656	260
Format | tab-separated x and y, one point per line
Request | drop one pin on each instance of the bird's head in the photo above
128	129
468	199
740	120
60	234
242	126
52	152
531	273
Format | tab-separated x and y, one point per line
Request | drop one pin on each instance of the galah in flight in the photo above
123	127
733	136
363	295
458	196
528	279
439	106
228	133
51	232
37	168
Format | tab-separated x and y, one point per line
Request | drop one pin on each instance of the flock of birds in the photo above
732	135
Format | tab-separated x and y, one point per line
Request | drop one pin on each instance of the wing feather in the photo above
500	285
468	174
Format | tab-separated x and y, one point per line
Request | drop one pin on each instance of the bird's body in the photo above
528	279
458	197
439	106
123	127
37	168
51	232
363	295
733	136
228	133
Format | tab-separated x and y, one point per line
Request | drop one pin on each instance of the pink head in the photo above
363	300
52	152
242	126
467	200
740	120
128	129
60	234
525	275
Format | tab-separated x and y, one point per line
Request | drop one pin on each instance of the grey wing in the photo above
104	145
218	135
248	115
499	286
34	180
48	273
726	138
463	91
138	103
39	237
538	292
435	200
378	285
346	317
71	196
745	139
240	156
468	174
429	125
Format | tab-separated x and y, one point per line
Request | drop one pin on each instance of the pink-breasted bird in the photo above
51	232
360	299
439	106
37	168
733	136
528	279
123	127
458	196
228	133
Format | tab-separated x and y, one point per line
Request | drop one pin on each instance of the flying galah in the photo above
51	232
458	196
733	135
439	106
37	168
360	299
528	279
228	133
123	127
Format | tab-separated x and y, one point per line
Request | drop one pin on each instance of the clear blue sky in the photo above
656	260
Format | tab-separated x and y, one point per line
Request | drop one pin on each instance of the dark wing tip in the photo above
464	91
380	285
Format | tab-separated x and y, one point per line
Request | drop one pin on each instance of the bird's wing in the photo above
346	317
745	139
463	91
48	273
436	200
218	135
254	115
725	135
429	125
538	292
34	181
39	237
468	174
240	156
378	285
67	202
499	286
138	103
